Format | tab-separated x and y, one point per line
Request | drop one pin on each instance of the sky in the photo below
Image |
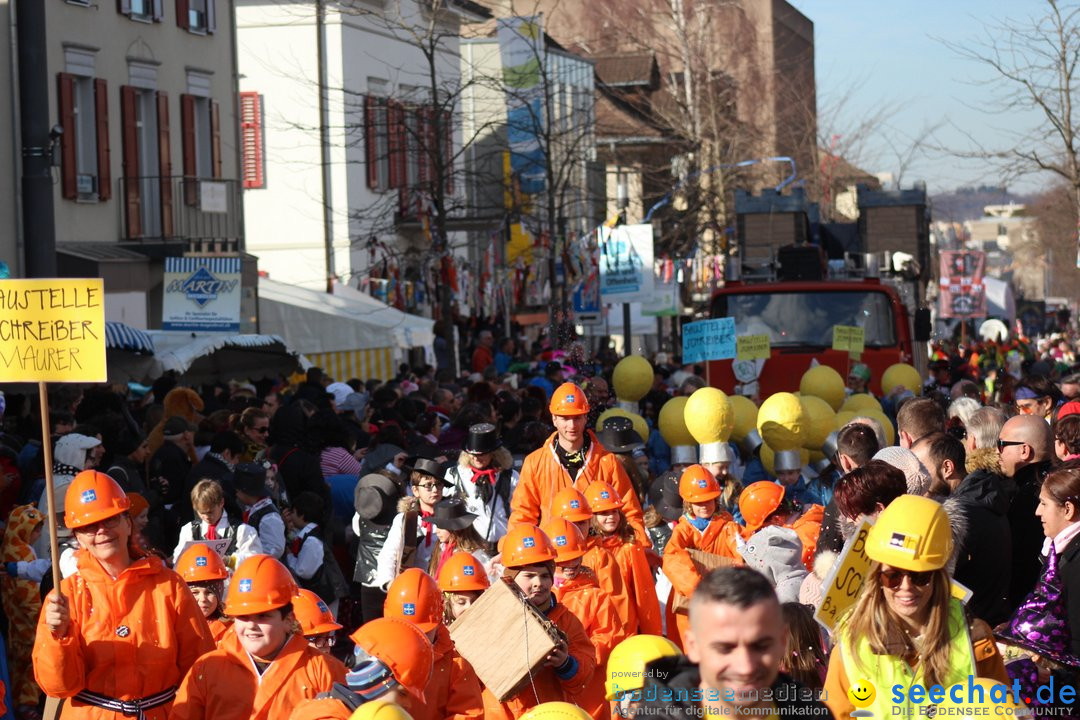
893	53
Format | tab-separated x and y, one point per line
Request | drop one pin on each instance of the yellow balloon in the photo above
708	415
672	422
745	412
901	374
781	421
886	423
860	403
823	382
820	421
640	426
842	418
632	378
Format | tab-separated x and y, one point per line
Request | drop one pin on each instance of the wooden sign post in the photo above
52	330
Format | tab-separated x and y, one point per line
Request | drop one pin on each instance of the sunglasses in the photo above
1002	444
892	579
262	430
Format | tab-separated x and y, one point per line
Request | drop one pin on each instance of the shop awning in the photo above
371	364
119	336
217	357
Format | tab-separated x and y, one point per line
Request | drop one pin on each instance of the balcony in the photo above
202	213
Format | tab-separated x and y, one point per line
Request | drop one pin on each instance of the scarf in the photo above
429	529
223	461
699	523
484	480
575	460
449	549
60	468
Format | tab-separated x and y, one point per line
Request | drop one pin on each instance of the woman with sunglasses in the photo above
253	427
905	627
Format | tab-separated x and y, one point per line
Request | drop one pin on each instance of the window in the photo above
197	16
377	135
200	127
84	116
253	162
144	10
145	128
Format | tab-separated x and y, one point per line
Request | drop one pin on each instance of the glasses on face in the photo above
108	523
261	430
1002	444
893	578
426	486
323	641
1027	407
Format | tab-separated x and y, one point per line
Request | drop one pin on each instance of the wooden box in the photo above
504	638
704	562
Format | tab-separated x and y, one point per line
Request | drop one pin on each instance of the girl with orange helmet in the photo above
317	623
577	589
453	691
204	572
462	579
455	532
611	531
124	629
703	526
765	503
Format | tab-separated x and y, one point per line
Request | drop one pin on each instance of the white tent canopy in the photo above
1000	302
214	357
314	322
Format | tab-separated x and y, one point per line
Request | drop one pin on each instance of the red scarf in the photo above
491	474
211	531
447	551
428	527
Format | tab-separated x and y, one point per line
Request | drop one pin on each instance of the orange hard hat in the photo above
92	497
199	563
402	647
313	614
602	497
758	501
697	485
568	541
463	573
567	400
526	545
260	584
571	505
413	596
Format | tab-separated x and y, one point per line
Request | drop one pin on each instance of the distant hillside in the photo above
968	203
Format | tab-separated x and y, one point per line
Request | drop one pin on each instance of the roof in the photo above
628	70
472	8
99	251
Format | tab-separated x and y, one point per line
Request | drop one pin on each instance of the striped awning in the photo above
119	336
342	365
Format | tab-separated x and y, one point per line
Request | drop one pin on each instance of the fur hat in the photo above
776	552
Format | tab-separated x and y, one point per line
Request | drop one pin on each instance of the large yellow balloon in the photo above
820	421
823	382
781	421
745	412
842	418
640	426
901	374
860	403
632	378
886	423
672	422
768	458
708	415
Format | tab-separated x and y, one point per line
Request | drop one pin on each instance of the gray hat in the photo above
787	460
374	495
684	455
716	452
354	403
751	442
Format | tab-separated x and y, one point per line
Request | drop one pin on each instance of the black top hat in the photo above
376	496
451	514
177	425
427	466
619	436
664	496
483	438
250	478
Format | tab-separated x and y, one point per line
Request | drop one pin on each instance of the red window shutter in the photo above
187	134
101	122
66	85
215	139
183	17
424	168
448	150
371	140
132	200
251	139
165	164
395	114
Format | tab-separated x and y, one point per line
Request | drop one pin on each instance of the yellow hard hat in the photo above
913	533
556	711
627	661
962	701
380	710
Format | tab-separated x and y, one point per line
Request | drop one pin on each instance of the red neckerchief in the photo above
447	551
491	474
428	528
211	531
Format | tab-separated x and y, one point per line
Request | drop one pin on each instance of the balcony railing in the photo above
200	211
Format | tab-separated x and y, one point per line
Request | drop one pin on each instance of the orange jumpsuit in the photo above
321	709
453	691
542	476
606	569
129	638
546	685
224	685
637	576
807	526
218	628
718	538
594	609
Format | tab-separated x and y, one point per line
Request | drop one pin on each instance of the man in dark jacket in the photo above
984	550
218	463
734	648
1025	449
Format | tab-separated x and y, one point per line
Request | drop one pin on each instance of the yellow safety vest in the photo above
885	671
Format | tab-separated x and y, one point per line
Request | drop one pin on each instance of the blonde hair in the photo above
207	495
872	619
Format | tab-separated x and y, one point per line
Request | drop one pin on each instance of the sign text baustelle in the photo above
52	330
708	340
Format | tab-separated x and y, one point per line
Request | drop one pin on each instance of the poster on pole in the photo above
626	264
963	293
52	330
201	294
708	340
522	53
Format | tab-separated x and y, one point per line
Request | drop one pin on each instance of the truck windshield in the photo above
800	319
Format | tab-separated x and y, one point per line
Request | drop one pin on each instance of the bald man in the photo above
1025	448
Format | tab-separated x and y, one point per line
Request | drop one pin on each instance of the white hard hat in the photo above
716	452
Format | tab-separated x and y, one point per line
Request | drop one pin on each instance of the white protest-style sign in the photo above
626	264
218	545
201	294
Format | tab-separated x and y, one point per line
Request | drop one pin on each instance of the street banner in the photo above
521	51
201	294
626	264
962	291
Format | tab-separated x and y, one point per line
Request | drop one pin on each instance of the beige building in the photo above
148	164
